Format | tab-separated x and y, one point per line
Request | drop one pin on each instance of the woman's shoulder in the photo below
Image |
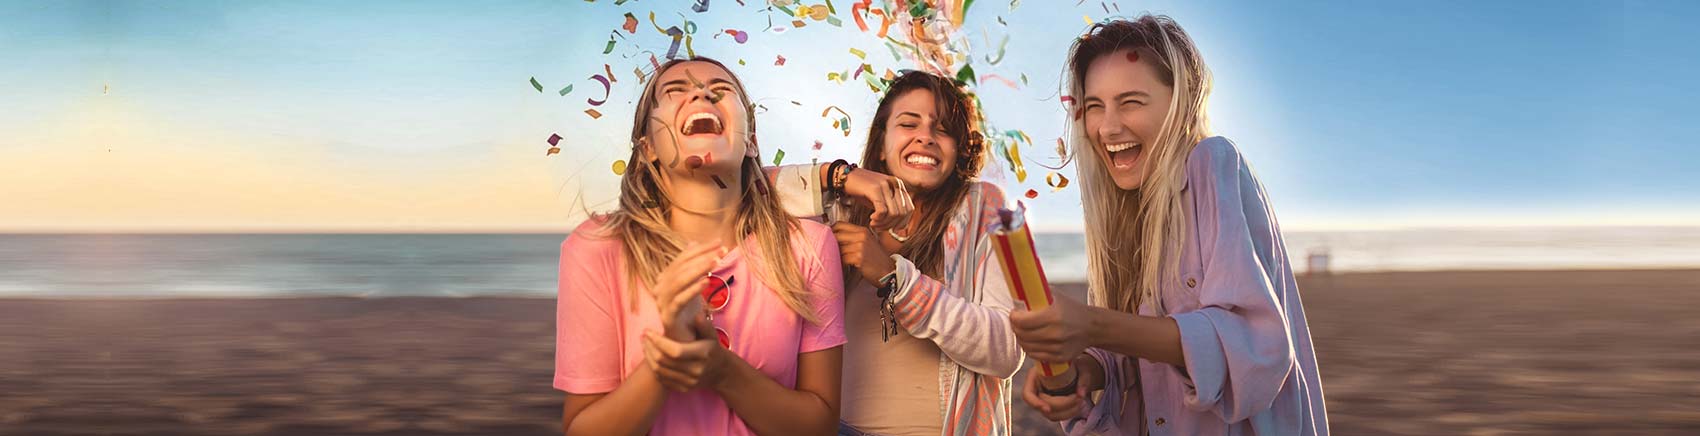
812	235
593	237
1213	159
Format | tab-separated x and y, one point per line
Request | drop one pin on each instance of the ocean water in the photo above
377	265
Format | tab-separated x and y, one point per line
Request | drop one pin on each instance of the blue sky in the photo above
419	115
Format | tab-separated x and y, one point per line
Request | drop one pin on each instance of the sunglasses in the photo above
716	294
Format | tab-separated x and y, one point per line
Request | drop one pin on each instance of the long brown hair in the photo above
925	246
641	221
1133	237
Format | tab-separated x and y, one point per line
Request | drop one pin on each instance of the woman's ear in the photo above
750	148
642	144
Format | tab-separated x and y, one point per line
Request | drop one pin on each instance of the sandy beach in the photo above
1578	352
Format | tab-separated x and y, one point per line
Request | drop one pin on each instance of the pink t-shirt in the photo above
598	332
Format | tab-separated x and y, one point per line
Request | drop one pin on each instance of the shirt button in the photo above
1191	283
1160	421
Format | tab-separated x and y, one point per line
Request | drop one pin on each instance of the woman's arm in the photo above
975	336
800	190
1157	338
771	409
628	410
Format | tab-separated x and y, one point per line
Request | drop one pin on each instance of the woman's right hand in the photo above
1056	409
887	195
678	288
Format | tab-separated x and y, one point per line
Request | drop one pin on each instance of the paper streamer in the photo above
1056	180
534	84
606	90
843	123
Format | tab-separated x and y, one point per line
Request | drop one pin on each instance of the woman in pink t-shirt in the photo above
699	306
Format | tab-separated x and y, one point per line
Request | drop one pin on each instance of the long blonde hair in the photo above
641	221
1127	272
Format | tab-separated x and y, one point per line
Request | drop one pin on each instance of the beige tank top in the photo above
891	387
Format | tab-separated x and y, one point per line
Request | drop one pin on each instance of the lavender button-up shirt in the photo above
1250	368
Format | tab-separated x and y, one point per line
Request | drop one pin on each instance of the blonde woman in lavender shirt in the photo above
1195	324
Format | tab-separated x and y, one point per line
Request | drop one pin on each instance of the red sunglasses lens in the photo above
716	293
725	340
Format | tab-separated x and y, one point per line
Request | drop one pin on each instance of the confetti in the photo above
700	7
552	151
1001	47
717	180
818	145
606	90
639	73
1005	81
610	71
631	23
779	63
739	36
1031	194
620	167
554	139
1056	180
594	114
566	90
778	156
842	124
1087	18
534	84
858	53
610	47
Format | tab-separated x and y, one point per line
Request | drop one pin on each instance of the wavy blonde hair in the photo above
641	220
1128	271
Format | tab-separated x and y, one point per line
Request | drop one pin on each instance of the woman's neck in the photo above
702	211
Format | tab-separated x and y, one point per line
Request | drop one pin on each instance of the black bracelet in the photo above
832	176
1073	385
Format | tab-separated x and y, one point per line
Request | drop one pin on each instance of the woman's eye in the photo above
1133	103
907	126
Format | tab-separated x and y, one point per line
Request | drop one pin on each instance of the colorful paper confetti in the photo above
534	84
1056	180
594	114
566	90
620	167
778	156
554	139
606	90
1031	194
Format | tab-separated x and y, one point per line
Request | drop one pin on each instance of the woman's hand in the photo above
678	289
885	194
686	365
858	247
1056	409
1056	334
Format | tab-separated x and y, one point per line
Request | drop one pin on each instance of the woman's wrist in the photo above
1091	373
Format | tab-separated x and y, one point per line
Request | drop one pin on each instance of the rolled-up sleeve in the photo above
1104	416
1237	347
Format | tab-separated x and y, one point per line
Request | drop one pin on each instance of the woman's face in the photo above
916	148
699	120
1124	108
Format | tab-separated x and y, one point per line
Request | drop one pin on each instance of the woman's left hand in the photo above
861	249
1056	334
685	366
